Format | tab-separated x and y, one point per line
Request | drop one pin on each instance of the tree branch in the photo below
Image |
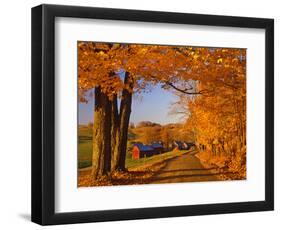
185	91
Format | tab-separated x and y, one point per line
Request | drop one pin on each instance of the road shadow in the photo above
210	175
187	170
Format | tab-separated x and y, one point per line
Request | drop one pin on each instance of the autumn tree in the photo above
95	70
101	135
150	134
120	128
98	68
166	137
117	71
218	116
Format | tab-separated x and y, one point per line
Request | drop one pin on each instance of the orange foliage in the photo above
212	80
218	118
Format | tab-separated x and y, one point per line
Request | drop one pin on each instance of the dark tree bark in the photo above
114	130
122	131
101	160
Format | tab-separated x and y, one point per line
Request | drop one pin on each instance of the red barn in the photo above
140	150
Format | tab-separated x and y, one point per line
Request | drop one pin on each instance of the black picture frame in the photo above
43	114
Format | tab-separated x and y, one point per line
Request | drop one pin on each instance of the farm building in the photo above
140	150
158	147
182	145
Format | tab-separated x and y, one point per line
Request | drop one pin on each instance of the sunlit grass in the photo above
85	149
133	163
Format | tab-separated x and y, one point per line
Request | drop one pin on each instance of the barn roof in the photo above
156	145
143	147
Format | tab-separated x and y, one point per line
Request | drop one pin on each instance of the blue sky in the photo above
153	106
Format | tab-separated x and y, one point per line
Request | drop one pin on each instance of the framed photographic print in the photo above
136	114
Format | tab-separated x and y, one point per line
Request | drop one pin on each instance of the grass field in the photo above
134	163
85	152
85	147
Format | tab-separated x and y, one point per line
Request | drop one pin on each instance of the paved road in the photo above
185	168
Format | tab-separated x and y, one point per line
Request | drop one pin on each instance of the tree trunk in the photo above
125	112
122	131
101	135
114	131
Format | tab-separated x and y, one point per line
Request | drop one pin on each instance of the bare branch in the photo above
185	91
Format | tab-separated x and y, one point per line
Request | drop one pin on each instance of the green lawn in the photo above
85	149
85	153
132	163
85	156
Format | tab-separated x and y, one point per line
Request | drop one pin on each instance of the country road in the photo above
185	168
